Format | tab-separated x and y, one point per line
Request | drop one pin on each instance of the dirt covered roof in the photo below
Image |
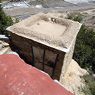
48	30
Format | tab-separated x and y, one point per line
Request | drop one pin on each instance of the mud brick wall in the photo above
22	46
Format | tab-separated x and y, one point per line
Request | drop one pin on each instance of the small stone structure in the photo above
46	41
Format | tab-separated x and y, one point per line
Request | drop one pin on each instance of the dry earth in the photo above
5	48
73	78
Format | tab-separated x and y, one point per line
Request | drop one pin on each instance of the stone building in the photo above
46	42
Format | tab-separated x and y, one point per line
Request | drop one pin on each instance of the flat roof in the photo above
48	30
19	78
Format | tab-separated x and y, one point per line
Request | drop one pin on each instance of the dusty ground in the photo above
57	6
49	29
89	18
5	48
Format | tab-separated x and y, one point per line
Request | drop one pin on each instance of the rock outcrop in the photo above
73	80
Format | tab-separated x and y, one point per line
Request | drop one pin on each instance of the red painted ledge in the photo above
19	78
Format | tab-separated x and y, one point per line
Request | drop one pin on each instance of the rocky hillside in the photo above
73	80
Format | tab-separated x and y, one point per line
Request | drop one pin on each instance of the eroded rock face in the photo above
19	78
72	79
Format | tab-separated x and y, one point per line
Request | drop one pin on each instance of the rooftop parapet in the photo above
53	32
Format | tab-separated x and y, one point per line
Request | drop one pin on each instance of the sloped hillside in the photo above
73	80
